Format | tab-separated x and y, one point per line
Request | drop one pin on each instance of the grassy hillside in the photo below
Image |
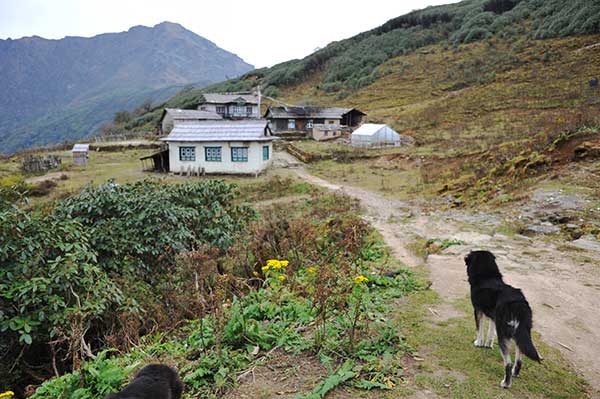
471	74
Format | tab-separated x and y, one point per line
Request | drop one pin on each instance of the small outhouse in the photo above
81	154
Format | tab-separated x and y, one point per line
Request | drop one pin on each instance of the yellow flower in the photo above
360	279
281	278
7	395
283	263
312	269
265	268
274	263
255	274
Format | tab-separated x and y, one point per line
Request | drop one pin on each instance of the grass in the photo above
453	367
125	167
392	179
416	93
469	107
329	149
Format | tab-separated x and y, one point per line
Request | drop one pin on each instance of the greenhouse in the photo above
375	135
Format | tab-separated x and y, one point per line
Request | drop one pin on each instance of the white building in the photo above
172	117
81	154
375	135
223	147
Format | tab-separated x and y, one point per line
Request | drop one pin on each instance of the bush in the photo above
323	300
68	275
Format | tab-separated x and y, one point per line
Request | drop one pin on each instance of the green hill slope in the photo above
469	73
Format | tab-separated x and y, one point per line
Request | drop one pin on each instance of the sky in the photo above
262	32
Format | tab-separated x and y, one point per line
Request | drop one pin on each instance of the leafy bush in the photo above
67	275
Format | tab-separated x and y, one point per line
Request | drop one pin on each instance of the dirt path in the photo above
564	292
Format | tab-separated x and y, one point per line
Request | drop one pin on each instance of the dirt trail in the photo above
563	292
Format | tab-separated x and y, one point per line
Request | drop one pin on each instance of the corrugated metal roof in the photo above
191	114
225	98
80	148
225	130
307	112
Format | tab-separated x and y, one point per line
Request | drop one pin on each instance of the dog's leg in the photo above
517	368
479	321
489	343
504	345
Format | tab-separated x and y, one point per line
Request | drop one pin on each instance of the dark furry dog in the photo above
507	309
155	381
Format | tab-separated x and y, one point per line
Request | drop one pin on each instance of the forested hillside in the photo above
56	90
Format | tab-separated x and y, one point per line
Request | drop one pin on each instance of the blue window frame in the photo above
187	153
239	154
212	154
265	152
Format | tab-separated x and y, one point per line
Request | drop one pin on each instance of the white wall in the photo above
254	165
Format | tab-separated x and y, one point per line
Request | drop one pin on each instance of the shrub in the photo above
69	274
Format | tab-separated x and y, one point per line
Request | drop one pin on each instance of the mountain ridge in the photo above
46	76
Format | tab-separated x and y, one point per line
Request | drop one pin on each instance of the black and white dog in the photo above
155	381
505	307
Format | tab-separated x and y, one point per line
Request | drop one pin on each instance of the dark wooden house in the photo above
290	119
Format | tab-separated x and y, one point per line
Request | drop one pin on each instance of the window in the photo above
187	153
239	154
309	124
220	109
249	110
265	152
237	109
332	122
291	124
212	154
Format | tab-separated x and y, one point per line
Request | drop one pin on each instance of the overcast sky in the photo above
263	33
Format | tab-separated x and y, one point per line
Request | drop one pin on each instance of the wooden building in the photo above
232	105
172	117
290	119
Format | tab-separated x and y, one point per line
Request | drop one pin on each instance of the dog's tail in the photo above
523	339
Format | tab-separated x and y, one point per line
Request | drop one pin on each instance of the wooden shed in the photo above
81	154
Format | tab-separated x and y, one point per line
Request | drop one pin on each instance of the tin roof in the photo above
226	98
308	112
224	130
191	114
80	148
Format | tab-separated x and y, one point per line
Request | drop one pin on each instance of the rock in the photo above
586	150
587	242
542	228
521	237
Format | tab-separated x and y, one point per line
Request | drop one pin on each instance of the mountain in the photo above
457	77
53	90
